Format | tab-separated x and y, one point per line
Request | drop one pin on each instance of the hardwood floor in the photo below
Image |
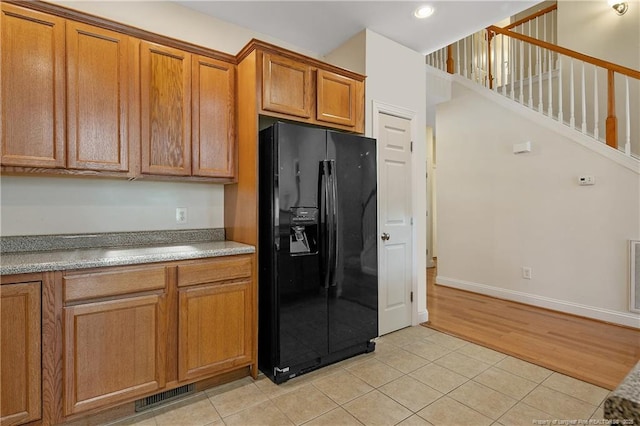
593	351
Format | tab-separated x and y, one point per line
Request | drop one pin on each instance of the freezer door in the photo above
353	292
302	296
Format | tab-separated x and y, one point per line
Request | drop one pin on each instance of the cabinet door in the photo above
33	105
214	329
337	98
165	112
20	400
213	118
97	99
286	86
113	351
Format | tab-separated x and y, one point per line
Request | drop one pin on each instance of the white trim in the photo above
634	248
622	318
378	108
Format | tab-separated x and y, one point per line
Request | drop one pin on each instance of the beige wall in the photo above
499	212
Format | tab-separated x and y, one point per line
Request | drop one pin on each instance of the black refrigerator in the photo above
318	288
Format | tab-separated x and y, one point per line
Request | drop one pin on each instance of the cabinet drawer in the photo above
93	285
220	269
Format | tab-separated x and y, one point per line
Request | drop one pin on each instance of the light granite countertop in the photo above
61	260
21	255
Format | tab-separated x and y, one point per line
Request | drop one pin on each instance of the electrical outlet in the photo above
181	215
526	272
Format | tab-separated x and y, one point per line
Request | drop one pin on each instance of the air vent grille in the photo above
163	397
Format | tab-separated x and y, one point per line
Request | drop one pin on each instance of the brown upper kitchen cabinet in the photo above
97	98
33	88
213	117
187	113
20	351
299	88
286	86
165	110
338	98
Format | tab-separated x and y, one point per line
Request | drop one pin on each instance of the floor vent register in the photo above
164	397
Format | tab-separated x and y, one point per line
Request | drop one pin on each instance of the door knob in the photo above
385	236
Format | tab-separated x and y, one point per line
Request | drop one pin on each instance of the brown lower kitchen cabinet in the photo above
20	352
129	332
215	317
114	327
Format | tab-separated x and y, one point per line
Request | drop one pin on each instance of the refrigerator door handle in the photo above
325	215
333	247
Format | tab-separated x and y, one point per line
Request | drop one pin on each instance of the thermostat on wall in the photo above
587	180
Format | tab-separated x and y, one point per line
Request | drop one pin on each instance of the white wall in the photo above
498	212
395	76
38	205
55	205
593	28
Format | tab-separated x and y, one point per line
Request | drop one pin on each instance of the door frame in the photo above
407	114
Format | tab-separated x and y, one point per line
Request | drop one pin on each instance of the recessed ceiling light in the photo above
423	12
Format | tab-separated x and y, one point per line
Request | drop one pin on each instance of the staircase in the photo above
522	62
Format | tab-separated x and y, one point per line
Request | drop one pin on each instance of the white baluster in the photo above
572	99
540	106
584	103
627	143
595	103
521	71
560	113
503	80
512	66
458	55
530	73
550	88
465	57
494	63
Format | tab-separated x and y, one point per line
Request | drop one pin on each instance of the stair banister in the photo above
531	17
611	122
492	32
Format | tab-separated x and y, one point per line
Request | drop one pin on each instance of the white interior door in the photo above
395	248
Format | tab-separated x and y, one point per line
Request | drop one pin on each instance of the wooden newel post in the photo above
612	120
450	59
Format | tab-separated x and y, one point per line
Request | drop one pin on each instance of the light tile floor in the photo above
416	376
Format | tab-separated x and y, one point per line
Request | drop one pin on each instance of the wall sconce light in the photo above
619	6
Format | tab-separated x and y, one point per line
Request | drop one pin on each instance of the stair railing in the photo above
577	90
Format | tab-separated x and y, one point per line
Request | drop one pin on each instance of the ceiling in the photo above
321	26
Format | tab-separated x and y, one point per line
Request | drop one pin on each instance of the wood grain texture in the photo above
214	270
114	351
51	347
593	351
112	282
336	98
97	98
214	329
32	124
241	198
213	117
286	86
165	110
20	353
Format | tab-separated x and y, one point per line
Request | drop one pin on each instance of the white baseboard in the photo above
623	318
423	316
